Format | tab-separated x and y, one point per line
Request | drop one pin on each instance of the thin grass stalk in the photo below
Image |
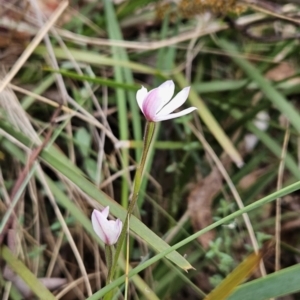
148	137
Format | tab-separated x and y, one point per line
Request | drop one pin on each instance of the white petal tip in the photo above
106	209
174	115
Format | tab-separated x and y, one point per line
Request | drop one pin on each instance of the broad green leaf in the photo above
283	282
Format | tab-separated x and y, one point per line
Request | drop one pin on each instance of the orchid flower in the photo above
107	230
156	105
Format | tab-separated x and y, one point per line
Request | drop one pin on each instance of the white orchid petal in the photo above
166	91
105	212
100	225
116	228
156	105
108	231
175	115
141	95
176	102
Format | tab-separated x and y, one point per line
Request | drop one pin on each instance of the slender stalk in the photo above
278	200
127	264
148	137
109	256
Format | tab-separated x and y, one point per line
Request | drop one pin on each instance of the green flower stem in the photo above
109	256
149	132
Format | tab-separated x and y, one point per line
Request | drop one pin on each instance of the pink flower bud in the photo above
107	230
156	105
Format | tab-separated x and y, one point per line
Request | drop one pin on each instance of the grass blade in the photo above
19	268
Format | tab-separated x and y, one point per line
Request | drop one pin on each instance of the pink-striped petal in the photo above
157	105
156	98
151	104
108	231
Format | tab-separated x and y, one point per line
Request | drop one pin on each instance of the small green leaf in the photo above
84	140
90	166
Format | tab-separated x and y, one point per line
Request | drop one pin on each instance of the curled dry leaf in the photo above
248	180
281	72
199	204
